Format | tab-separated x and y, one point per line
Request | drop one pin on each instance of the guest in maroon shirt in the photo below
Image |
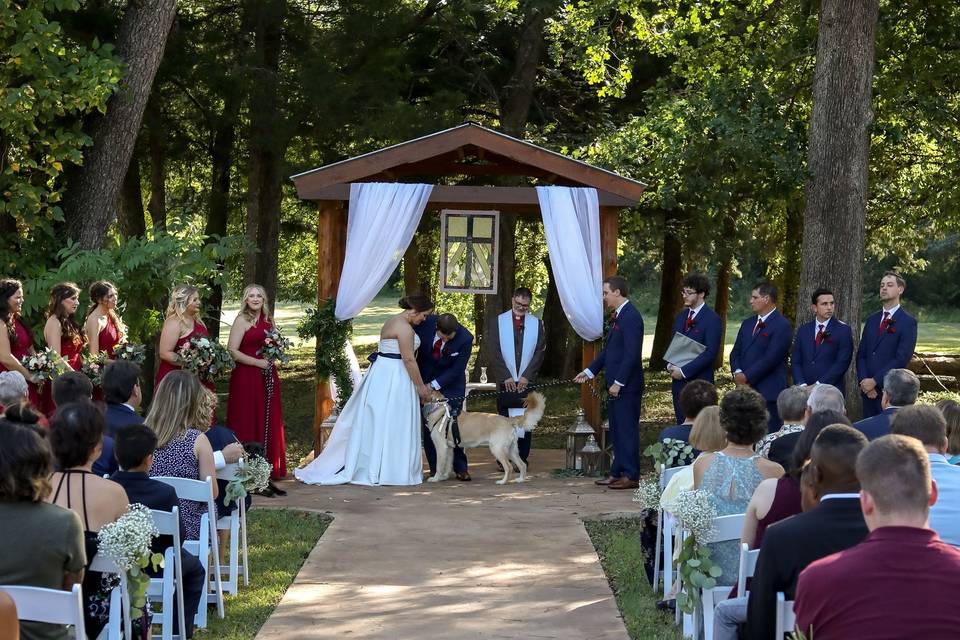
902	581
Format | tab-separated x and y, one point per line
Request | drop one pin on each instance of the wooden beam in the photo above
331	248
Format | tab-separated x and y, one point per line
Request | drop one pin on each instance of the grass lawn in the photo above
618	545
279	542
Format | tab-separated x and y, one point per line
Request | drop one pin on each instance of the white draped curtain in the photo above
571	224
382	219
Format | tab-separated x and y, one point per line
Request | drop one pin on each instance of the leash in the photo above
533	387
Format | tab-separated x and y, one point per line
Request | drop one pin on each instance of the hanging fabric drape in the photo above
571	224
382	220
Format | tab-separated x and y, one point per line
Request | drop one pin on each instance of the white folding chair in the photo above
207	546
786	619
665	476
236	524
119	600
748	564
52	606
164	589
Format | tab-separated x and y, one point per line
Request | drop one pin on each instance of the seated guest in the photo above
121	391
49	546
926	424
695	396
900	389
732	474
792	407
74	386
13	389
902	581
823	397
182	449
951	413
76	437
226	448
25	416
135	445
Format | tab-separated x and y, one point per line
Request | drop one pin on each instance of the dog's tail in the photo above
535	404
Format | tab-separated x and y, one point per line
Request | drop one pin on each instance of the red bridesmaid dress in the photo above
253	407
199	331
69	351
109	337
19	349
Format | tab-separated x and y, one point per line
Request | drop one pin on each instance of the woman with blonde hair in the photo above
104	327
253	407
62	333
182	450
182	323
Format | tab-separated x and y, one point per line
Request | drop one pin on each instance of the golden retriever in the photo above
478	429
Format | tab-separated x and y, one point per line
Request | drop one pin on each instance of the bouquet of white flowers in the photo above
127	542
131	351
93	366
205	357
695	512
253	474
43	366
648	493
275	346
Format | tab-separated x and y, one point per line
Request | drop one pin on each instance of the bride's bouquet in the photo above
275	346
43	366
253	474
93	366
131	351
127	542
205	357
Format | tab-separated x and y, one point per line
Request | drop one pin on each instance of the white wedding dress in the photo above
376	440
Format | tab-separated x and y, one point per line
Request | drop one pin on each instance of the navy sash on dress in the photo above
376	354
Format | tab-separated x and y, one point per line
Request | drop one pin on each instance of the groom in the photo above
445	348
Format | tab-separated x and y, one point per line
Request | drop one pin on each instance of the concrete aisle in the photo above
454	560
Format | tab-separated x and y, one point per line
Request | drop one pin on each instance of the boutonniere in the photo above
890	328
764	334
827	338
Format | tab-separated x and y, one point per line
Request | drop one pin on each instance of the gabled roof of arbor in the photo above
468	149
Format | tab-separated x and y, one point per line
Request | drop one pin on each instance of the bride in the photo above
376	439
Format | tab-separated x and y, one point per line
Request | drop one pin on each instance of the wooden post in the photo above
609	230
331	248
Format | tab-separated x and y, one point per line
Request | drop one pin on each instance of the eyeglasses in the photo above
520	306
687	292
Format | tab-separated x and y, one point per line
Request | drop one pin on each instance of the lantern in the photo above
606	447
591	455
576	439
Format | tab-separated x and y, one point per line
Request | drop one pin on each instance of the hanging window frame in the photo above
470	244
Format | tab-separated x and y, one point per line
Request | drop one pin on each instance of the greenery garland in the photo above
330	358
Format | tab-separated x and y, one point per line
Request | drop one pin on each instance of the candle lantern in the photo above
577	436
591	455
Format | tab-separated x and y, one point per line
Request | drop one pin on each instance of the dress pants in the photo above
728	616
506	400
459	457
624	415
193	590
871	407
676	386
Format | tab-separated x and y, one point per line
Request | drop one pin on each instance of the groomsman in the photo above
759	356
888	340
622	356
444	352
517	362
698	322
823	348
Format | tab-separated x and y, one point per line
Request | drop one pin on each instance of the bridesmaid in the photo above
16	340
104	328
183	323
253	407
62	334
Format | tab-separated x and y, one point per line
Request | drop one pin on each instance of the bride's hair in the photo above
416	301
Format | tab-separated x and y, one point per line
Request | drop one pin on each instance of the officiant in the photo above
516	364
700	323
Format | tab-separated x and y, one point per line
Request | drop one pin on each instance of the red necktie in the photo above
689	321
819	337
613	317
884	323
436	348
756	327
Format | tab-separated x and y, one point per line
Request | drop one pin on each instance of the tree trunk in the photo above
131	218
94	187
839	150
790	277
721	304
557	328
157	142
411	268
671	275
518	93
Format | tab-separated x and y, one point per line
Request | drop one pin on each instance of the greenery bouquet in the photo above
253	474
275	347
205	357
131	351
93	366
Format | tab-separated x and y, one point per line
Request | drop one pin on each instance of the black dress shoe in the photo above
463	476
276	490
266	493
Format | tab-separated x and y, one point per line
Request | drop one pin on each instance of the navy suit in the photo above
119	416
622	357
827	363
876	426
154	494
450	373
106	464
762	356
880	352
706	329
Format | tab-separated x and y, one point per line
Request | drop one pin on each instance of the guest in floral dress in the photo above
732	474
182	449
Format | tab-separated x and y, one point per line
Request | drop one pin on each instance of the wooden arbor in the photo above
467	150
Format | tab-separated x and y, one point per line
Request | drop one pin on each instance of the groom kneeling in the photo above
443	356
